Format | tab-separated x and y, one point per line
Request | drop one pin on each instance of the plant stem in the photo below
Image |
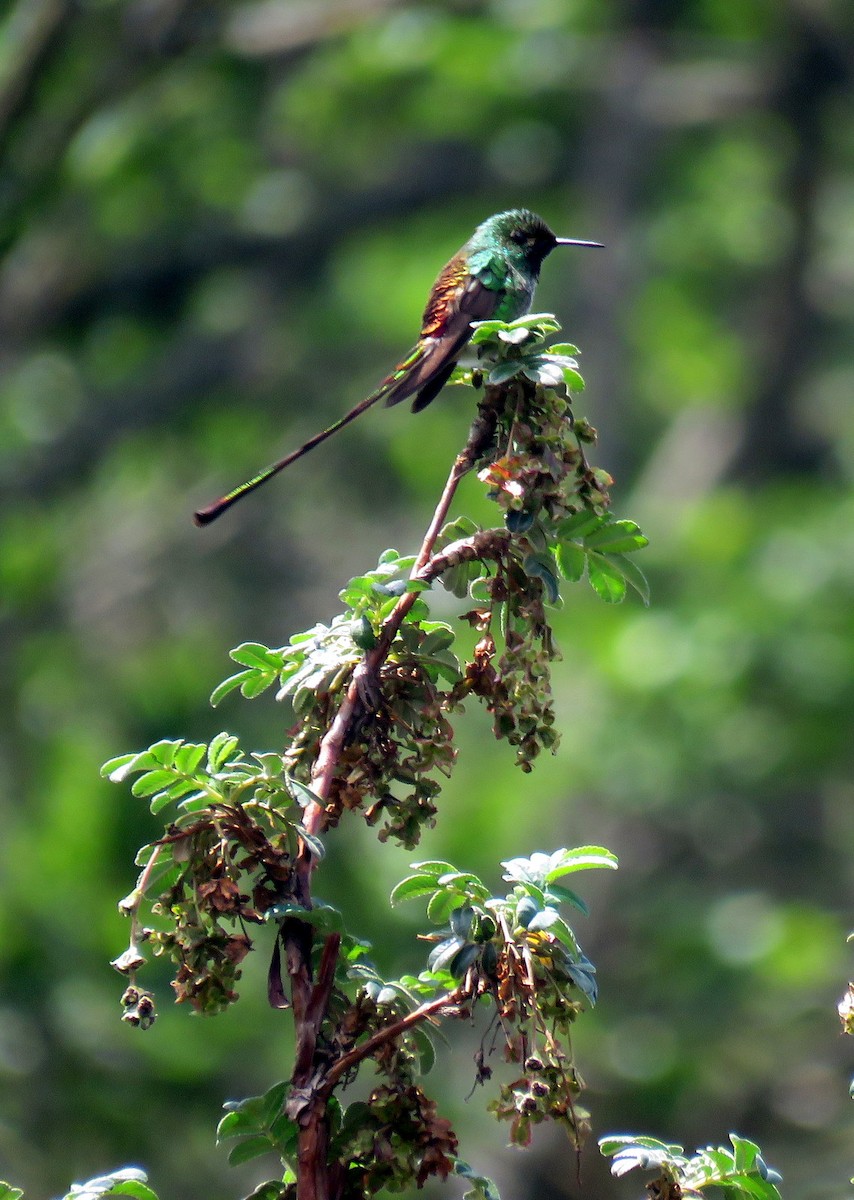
312	1082
365	1049
480	435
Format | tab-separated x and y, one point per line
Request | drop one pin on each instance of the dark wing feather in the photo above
445	331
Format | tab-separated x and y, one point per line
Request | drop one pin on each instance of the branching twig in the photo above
311	1085
361	685
365	1049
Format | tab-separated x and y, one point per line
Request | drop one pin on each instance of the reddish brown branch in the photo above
480	435
312	1082
306	1105
365	1049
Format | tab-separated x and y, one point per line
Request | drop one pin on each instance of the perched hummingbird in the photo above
492	276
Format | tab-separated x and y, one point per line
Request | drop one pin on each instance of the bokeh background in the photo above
219	225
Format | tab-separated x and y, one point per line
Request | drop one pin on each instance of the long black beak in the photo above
576	242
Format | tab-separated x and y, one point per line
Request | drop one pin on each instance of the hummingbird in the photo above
493	276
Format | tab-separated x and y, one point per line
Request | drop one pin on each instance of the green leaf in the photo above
541	566
567	896
633	575
715	1161
461	921
456	580
483	1188
327	919
582	858
254	1105
435	867
438	639
151	782
312	842
227	686
460	528
636	1156
544	322
256	656
545	373
518	521
521	870
463	959
221	749
463	881
503	371
237	1124
189	756
745	1153
359	590
583	974
7	1192
612	1143
129	1181
543	918
183	787
479	590
271	1189
571	560
443	954
285	1134
411	887
607	581
483	330
118	769
256	682
749	1187
131	1187
442	904
447	667
323	917
426	1050
527	910
303	795
362	632
417	612
253	1147
513	337
762	1189
580	524
617	537
557	926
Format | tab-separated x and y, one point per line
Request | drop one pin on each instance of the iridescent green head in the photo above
523	236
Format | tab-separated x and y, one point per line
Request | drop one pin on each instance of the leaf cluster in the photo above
515	953
226	857
556	524
237	851
129	1182
519	951
406	739
738	1171
390	1139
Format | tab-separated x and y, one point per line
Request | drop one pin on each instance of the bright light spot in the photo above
744	928
642	1048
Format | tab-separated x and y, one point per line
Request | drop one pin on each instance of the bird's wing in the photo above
458	298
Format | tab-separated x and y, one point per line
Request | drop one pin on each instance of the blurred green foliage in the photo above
218	226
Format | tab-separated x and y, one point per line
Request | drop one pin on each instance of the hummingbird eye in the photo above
520	237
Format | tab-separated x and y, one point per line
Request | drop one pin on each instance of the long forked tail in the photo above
204	516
